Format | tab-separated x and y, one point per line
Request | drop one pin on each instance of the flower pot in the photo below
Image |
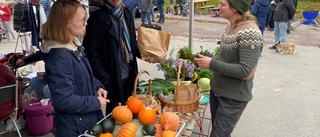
310	17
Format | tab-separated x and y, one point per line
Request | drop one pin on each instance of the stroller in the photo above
2	32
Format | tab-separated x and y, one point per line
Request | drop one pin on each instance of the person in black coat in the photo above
111	54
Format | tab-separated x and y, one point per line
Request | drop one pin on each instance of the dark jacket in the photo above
73	88
102	44
284	11
261	9
35	57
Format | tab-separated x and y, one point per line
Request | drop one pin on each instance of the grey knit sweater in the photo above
234	68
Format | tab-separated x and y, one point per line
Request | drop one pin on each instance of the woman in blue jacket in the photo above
76	94
261	9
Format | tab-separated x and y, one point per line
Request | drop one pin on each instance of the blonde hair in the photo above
246	16
61	13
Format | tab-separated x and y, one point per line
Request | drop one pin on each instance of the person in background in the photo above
77	95
7	77
5	16
283	13
46	6
39	84
159	4
179	3
295	3
234	67
152	10
261	10
111	46
145	6
132	5
272	7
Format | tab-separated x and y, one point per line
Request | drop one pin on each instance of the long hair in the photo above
61	13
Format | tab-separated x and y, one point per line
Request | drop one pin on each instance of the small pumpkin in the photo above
95	130
159	130
129	129
135	104
148	116
122	114
149	129
106	135
169	121
107	125
169	133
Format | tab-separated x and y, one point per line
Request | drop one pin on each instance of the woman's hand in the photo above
103	93
203	61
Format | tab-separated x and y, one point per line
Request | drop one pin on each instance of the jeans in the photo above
280	31
161	19
152	11
145	14
40	86
133	12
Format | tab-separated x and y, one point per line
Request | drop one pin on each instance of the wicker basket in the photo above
148	100
181	106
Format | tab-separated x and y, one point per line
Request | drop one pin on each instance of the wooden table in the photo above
199	5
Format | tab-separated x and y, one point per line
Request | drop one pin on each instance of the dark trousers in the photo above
225	113
176	9
271	23
127	93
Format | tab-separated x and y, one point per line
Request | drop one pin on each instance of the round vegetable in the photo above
107	126
204	84
149	129
95	130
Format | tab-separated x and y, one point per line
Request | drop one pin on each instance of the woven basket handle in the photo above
136	82
176	95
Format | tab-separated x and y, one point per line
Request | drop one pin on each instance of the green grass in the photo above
303	5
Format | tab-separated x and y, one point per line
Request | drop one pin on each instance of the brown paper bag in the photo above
187	92
153	43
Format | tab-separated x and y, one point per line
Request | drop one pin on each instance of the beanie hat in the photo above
241	5
2	1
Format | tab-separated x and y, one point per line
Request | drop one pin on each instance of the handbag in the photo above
153	43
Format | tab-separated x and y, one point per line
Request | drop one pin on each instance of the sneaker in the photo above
152	20
161	22
273	47
271	29
13	40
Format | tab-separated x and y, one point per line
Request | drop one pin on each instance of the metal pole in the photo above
191	16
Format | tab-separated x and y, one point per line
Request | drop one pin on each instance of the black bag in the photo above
152	26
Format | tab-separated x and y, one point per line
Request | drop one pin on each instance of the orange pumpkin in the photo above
127	130
169	133
148	116
122	114
169	121
134	104
106	135
159	130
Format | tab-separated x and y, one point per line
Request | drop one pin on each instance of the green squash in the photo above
95	130
149	129
116	130
139	132
107	125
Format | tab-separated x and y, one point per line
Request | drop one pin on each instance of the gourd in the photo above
135	104
122	114
149	129
139	125
107	126
169	133
169	121
95	130
129	129
106	135
148	116
159	130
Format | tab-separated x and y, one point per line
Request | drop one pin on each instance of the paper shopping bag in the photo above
153	43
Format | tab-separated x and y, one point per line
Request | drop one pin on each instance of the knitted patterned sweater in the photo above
234	68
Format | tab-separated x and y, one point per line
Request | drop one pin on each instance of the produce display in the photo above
123	122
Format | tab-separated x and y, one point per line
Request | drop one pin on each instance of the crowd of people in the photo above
83	78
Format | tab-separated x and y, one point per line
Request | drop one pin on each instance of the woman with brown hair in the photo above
76	94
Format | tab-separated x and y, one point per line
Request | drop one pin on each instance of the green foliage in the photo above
158	85
185	53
